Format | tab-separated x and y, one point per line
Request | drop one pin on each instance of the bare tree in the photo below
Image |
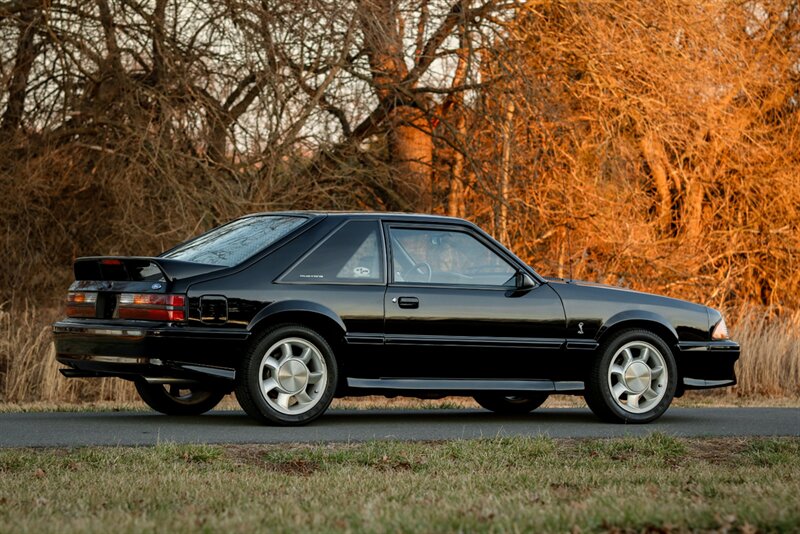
644	144
27	16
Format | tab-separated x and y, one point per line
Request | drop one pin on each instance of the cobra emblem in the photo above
580	328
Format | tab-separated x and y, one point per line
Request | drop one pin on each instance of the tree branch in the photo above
457	12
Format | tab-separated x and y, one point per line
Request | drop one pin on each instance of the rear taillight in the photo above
152	307
81	304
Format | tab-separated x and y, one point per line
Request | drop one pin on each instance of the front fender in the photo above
636	318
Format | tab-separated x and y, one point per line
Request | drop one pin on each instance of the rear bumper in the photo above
135	348
707	364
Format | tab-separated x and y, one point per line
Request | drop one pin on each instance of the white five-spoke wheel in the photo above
633	379
293	375
288	376
637	377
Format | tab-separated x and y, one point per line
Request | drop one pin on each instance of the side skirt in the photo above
465	386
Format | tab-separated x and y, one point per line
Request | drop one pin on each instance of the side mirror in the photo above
523	281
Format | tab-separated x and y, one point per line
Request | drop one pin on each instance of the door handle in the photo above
408	302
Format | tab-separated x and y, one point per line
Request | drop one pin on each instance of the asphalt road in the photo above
143	428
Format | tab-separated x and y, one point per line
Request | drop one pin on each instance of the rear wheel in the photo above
288	377
633	380
511	404
175	399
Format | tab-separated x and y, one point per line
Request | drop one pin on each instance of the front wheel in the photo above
288	377
175	399
633	380
511	404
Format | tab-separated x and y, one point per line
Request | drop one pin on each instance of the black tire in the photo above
251	376
176	400
614	409
511	404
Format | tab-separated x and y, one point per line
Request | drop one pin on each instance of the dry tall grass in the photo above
29	371
770	361
769	366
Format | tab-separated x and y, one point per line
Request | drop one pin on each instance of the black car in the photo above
292	309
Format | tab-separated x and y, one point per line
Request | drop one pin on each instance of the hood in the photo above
652	297
585	283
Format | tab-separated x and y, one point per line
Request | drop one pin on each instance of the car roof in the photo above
383	215
398	217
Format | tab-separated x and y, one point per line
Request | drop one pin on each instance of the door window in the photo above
352	254
446	257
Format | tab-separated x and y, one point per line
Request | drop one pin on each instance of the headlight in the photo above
720	330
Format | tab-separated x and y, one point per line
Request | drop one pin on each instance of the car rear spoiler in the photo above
138	268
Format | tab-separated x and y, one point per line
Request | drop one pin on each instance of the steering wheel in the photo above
423	268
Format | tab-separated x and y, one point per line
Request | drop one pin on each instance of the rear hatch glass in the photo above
233	243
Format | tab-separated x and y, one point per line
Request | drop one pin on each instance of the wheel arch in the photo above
598	395
313	315
310	314
652	322
643	319
266	328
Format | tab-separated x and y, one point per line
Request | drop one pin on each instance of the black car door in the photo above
452	309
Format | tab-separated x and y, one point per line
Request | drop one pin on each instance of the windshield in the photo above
236	241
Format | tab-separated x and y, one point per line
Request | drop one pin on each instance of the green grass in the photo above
657	483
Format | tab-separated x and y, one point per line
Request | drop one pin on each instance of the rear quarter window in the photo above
352	254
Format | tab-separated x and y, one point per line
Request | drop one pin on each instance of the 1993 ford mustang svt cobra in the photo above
289	310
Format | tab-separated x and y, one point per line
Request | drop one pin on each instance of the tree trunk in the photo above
657	161
501	225
18	81
411	157
410	142
159	69
455	198
693	210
